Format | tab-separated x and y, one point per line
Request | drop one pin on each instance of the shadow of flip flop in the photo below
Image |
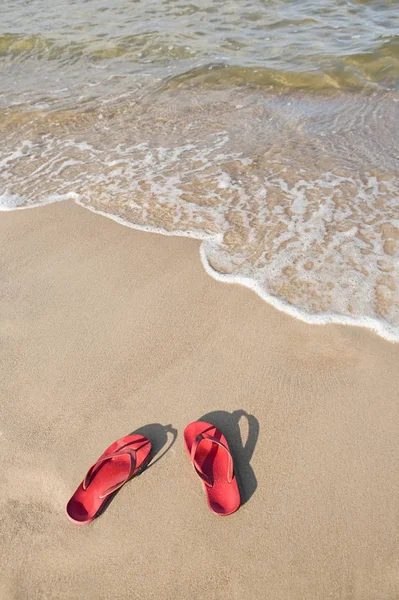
158	435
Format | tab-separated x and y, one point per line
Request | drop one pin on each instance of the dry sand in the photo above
106	330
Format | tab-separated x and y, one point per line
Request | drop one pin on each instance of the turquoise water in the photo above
267	129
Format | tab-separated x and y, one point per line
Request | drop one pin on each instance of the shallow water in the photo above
267	129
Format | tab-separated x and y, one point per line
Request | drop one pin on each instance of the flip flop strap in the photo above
89	475
200	438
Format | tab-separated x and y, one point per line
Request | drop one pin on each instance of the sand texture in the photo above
105	331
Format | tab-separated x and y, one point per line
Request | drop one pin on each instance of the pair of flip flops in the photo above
208	451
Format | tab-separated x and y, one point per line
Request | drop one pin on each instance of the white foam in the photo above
11	201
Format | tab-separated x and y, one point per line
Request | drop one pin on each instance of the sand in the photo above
106	330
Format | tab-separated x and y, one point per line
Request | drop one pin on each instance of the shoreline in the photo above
105	331
375	325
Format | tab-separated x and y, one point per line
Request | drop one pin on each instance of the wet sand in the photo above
105	331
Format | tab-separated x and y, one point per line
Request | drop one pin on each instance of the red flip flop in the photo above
121	461
211	457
